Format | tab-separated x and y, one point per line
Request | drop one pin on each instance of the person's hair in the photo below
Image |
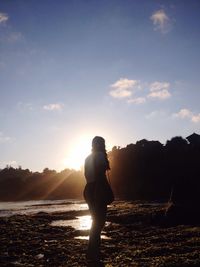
98	145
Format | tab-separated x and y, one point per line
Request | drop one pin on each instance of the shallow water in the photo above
81	223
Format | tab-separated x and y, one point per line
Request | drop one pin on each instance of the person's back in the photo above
95	168
96	165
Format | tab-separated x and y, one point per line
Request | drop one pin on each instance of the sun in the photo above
77	153
79	149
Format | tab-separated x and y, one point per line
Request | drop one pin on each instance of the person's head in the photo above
98	144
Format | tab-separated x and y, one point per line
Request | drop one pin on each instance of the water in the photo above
33	207
81	223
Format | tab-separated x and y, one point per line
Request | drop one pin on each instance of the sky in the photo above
70	70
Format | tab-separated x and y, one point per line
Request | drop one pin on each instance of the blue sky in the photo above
70	70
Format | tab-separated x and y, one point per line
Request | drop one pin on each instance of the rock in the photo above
39	256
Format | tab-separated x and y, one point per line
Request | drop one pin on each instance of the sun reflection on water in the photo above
87	237
81	223
85	222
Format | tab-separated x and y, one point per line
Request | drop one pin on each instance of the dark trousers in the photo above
98	213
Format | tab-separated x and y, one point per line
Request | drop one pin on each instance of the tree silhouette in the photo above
147	170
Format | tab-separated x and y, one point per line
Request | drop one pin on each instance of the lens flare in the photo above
77	153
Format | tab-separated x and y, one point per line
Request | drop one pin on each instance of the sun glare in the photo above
79	150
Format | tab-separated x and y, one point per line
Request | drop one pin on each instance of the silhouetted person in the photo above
96	165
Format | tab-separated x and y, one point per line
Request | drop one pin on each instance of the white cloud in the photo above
159	90
161	21
163	94
123	88
3	18
156	86
183	113
53	107
120	93
124	83
196	118
4	139
137	100
187	114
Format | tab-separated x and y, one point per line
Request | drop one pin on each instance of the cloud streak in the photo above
161	21
53	107
137	100
14	37
156	114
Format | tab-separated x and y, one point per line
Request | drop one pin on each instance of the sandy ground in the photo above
135	239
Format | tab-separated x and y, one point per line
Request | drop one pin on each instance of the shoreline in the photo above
31	240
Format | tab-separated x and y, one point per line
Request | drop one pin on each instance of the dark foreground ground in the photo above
135	240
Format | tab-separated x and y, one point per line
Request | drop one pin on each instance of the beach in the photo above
130	238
